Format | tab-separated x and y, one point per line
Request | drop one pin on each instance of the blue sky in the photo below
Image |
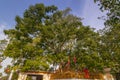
83	8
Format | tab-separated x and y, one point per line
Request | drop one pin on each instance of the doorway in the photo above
35	77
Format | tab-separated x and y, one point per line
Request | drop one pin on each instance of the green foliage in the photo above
45	36
110	41
113	10
15	76
3	44
110	47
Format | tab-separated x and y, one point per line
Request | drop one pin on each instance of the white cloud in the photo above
2	27
91	13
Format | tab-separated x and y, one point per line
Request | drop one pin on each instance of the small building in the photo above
34	75
62	75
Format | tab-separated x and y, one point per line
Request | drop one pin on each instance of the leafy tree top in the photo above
113	10
46	36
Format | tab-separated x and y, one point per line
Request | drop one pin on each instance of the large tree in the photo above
111	33
46	36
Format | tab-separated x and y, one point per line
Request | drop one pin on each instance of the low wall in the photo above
77	79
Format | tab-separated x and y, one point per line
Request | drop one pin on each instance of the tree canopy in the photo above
111	32
113	10
46	36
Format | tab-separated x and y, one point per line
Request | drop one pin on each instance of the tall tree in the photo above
111	33
46	36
